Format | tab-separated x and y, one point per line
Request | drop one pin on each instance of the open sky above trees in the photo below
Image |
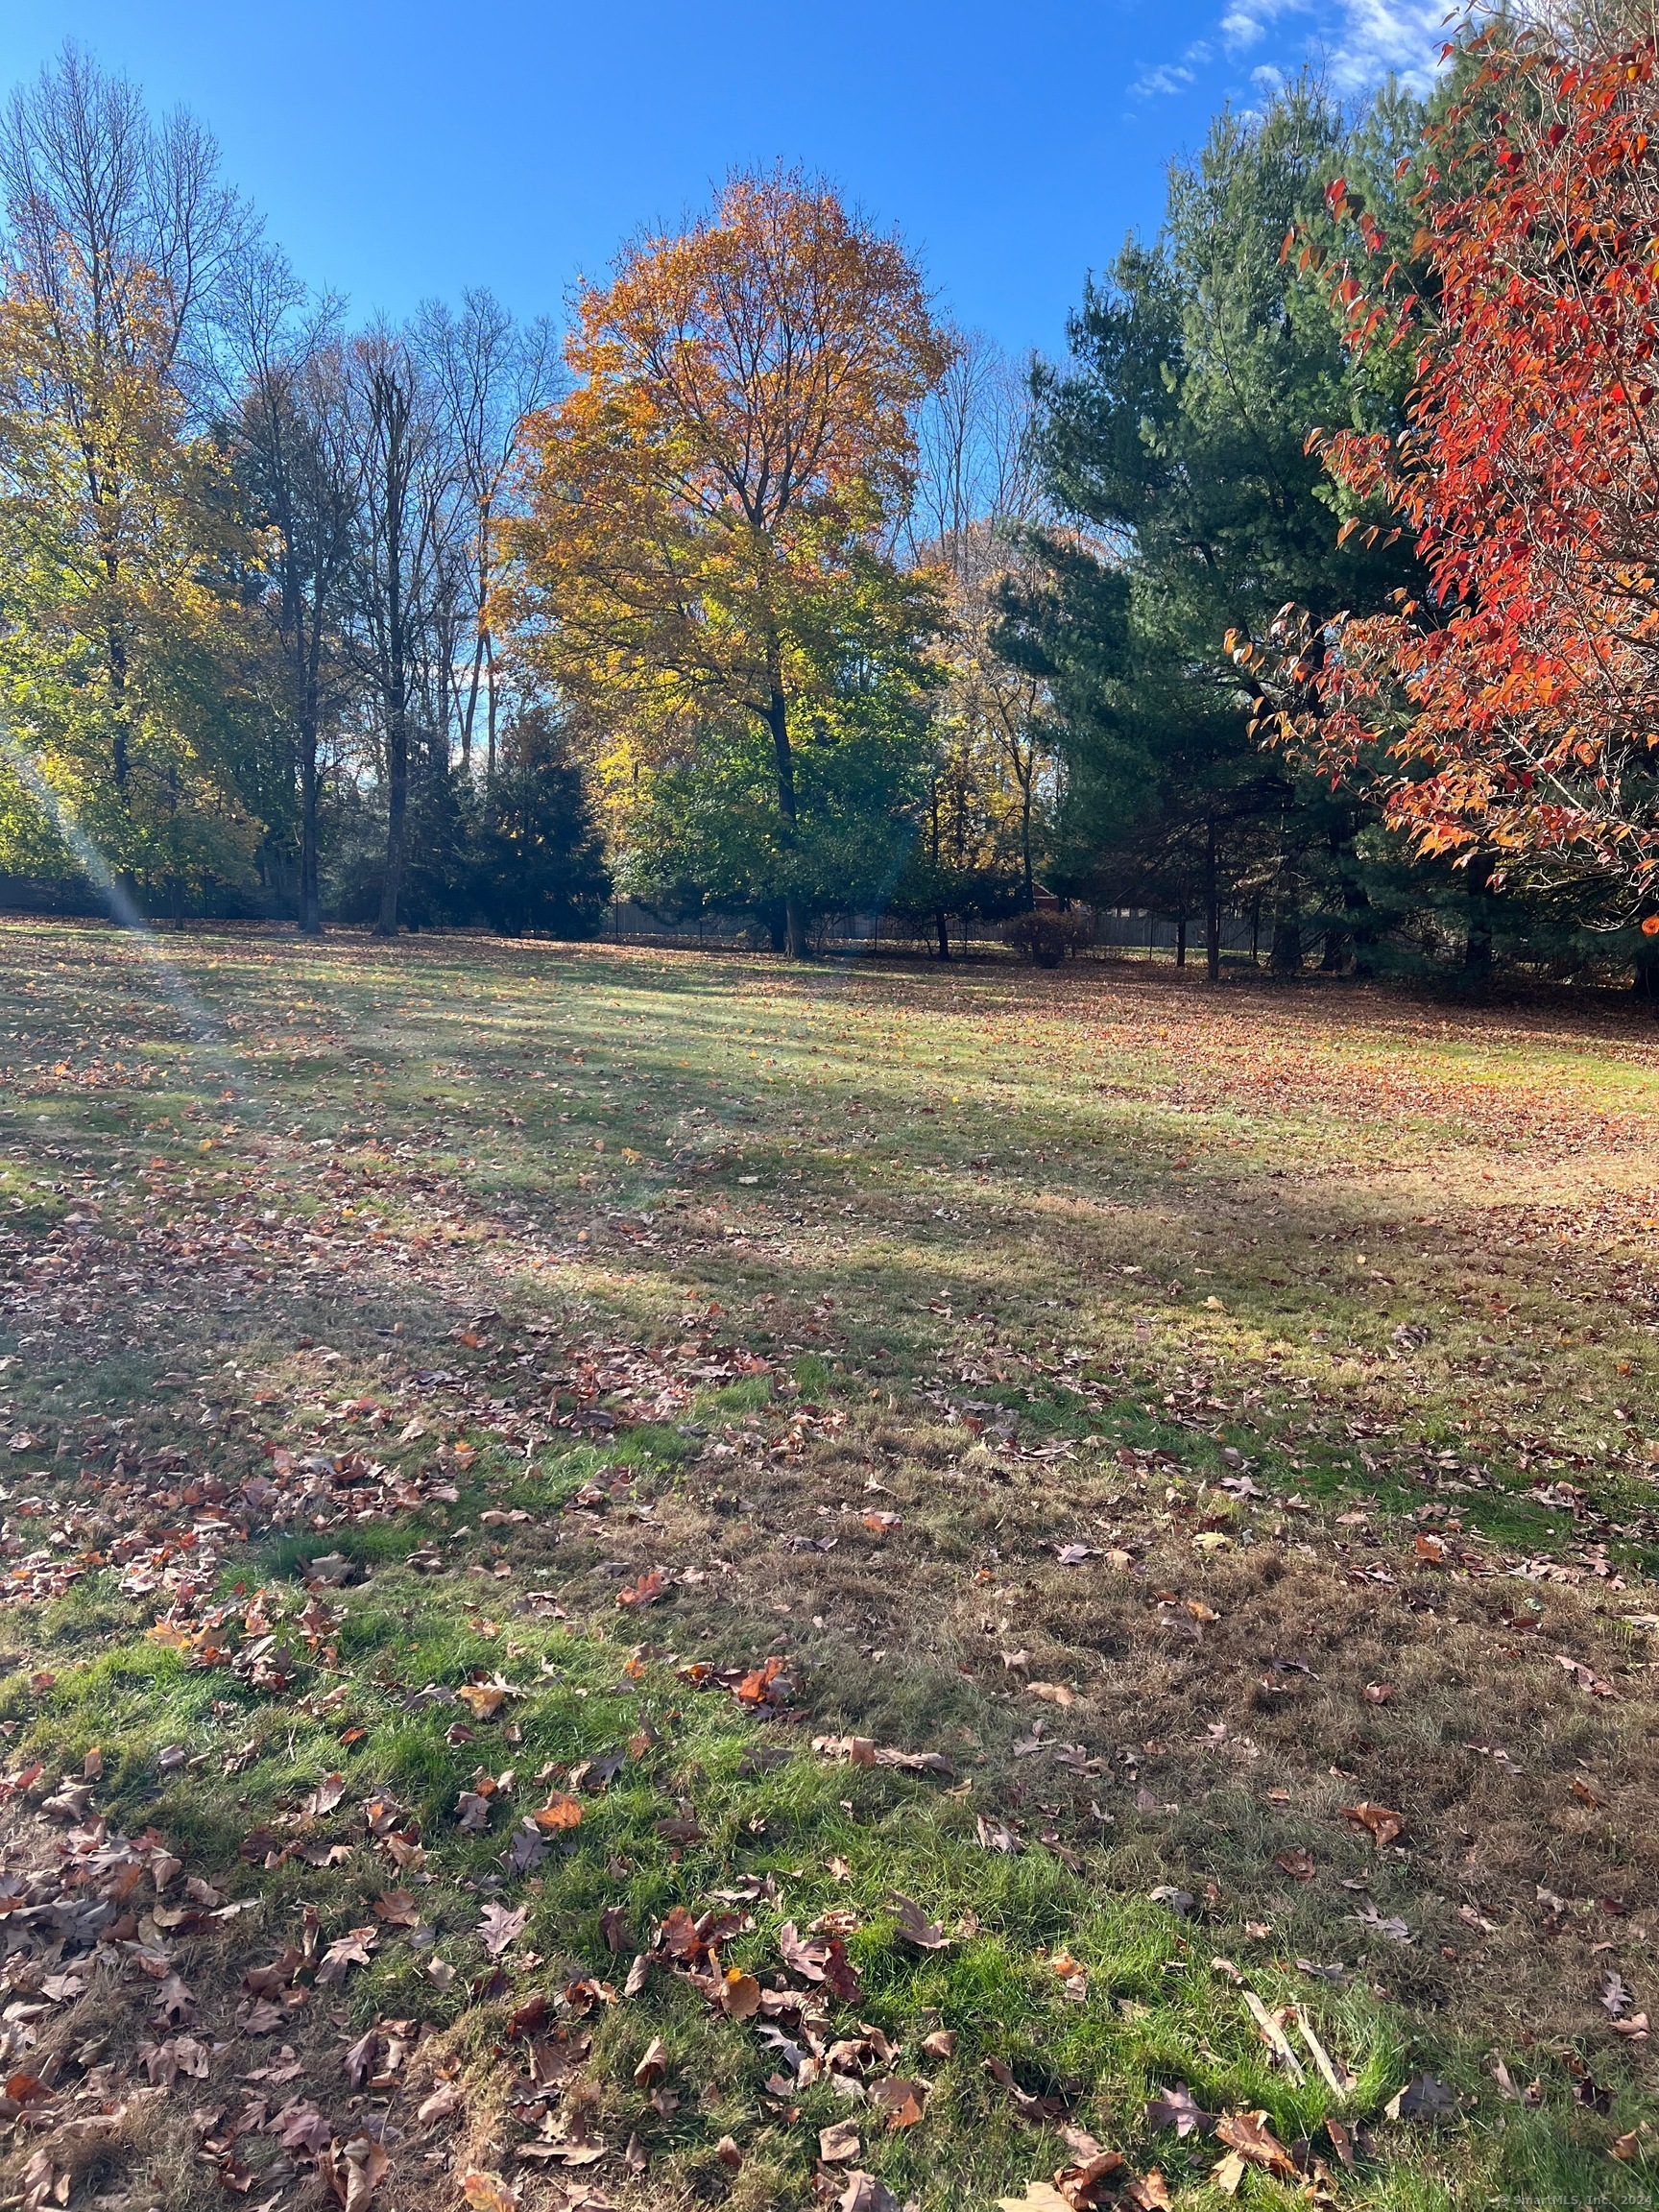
406	151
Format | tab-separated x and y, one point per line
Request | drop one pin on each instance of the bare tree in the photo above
114	217
403	563
492	374
119	237
300	466
975	465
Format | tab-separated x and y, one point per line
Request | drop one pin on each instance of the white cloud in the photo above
1245	23
1379	37
1357	41
1239	30
1167	76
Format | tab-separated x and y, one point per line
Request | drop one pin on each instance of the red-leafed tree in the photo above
1511	713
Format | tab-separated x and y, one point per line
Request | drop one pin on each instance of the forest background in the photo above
754	586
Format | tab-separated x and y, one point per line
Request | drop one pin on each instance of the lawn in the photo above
644	1579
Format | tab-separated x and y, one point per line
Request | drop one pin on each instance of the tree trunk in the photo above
396	811
1211	910
1286	957
310	903
944	935
778	722
1179	940
1477	944
396	727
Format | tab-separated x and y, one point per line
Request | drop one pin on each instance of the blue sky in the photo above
403	149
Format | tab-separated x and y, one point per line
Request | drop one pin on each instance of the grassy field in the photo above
644	1579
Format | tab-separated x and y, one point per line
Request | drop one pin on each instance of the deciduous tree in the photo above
702	557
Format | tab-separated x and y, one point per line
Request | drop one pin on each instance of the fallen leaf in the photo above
653	2066
1298	1864
489	2193
365	2166
916	1927
559	1812
1249	2135
739	1995
1179	2110
499	1928
1394	1929
902	2102
397	1908
838	2141
445	2099
1381	1824
1421	2098
863	2193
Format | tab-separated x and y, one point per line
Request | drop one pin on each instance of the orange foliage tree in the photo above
709	500
1510	711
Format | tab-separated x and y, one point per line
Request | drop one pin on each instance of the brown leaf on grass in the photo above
1379	1823
1039	2110
499	1928
1249	2135
767	1685
1298	1864
838	2141
902	2101
729	2154
1228	2172
1052	1693
653	2066
1625	2146
1150	2192
739	1995
863	2193
1179	2110
1039	2197
915	1927
1092	2180
443	2100
359	2166
583	1994
941	2044
1423	2098
1590	1682
326	1796
359	2059
397	1908
472	1812
646	1591
488	2192
482	1700
559	1812
352	1949
1377	1692
880	1524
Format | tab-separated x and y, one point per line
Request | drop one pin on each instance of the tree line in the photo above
1314	584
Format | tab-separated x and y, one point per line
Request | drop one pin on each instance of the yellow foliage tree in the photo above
707	506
